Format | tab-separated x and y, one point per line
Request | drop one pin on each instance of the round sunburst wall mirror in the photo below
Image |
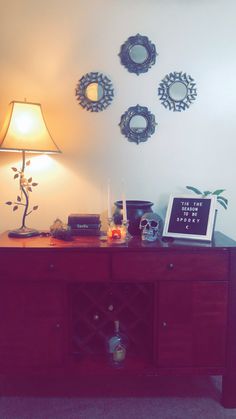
94	92
177	91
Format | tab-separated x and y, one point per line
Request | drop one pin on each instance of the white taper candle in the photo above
109	199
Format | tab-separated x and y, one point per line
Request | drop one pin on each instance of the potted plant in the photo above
220	199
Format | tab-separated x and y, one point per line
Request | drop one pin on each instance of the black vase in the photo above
135	210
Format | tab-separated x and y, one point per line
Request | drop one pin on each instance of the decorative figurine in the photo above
151	225
60	230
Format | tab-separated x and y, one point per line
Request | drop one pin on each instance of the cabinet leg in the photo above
229	391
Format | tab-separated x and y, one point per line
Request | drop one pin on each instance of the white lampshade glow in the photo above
25	129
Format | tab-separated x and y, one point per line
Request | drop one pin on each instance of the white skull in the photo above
151	225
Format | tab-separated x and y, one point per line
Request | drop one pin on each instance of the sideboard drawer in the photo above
182	265
71	266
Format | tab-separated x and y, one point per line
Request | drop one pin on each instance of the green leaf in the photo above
205	193
222	198
16	176
29	189
223	204
27	163
35	207
34	184
191	188
18	198
218	191
30	180
14	169
15	207
8	203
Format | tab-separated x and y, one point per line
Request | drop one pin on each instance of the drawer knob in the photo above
164	324
111	307
96	317
51	266
171	266
58	325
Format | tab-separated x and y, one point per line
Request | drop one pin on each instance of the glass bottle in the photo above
117	347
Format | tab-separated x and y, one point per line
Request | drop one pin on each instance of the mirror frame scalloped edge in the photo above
131	65
125	124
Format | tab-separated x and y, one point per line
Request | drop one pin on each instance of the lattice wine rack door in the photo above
94	307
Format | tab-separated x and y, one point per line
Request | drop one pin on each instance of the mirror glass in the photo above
177	90
138	54
94	92
138	123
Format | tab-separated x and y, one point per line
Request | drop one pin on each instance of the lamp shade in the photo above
25	129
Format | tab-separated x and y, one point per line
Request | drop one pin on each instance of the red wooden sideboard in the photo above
175	300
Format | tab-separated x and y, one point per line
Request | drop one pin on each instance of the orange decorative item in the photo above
117	234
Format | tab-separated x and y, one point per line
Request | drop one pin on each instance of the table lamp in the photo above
25	130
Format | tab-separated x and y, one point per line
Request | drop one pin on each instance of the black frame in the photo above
131	65
165	98
108	91
133	136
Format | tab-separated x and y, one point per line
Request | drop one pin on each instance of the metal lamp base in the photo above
23	232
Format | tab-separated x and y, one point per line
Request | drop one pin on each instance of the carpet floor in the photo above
175	398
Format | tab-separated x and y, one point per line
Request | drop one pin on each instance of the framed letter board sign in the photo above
190	218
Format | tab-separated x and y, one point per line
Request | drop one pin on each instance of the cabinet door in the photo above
192	323
31	324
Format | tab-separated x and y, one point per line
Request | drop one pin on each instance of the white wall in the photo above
47	46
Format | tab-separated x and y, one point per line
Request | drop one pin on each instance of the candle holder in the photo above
117	233
125	224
